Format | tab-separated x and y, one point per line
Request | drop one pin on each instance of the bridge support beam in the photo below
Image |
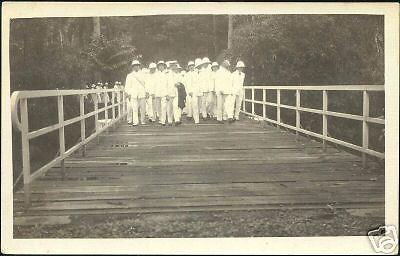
365	141
324	118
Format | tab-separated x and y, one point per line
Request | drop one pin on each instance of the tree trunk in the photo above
230	31
96	27
96	35
215	36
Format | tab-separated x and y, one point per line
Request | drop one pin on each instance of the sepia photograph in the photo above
191	122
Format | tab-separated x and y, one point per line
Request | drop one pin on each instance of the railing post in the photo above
264	100
119	95
26	165
106	111
278	108
298	98
244	103
113	108
365	133
252	103
61	135
324	118
83	124
96	116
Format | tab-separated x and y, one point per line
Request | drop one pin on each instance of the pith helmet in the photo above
135	62
240	64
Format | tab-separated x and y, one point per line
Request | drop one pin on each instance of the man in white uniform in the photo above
205	80
187	82
223	88
136	91
193	89
151	83
170	79
238	90
161	91
212	97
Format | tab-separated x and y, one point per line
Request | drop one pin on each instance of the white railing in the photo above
19	99
365	118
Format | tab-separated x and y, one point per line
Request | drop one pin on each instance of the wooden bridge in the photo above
246	165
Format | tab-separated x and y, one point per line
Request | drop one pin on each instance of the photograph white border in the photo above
259	245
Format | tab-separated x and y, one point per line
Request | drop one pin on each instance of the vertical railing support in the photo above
278	108
244	103
105	99
298	102
365	140
324	118
83	124
96	116
113	108
252	103
26	166
264	100
61	135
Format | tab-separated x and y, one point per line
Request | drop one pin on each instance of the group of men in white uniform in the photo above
207	90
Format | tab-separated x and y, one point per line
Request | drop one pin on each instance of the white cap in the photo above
152	65
214	64
190	63
240	64
197	62
206	60
161	62
135	62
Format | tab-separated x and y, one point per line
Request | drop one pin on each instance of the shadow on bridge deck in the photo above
240	166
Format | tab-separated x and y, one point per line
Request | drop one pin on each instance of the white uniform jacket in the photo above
195	88
135	85
224	81
151	83
172	79
238	81
161	84
205	79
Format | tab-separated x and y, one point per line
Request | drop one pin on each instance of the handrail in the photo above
325	112
20	98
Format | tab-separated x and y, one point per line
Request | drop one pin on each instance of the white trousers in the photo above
157	107
188	107
177	112
163	107
211	104
195	108
136	106
238	104
229	102
167	112
203	108
220	106
149	108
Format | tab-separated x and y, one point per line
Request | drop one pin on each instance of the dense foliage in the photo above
49	53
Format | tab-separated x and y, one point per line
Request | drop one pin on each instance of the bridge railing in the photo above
325	112
19	100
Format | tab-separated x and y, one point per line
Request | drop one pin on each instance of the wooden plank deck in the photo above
241	166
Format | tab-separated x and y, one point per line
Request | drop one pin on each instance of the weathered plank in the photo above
208	167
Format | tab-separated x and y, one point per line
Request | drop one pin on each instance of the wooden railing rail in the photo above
19	100
325	112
